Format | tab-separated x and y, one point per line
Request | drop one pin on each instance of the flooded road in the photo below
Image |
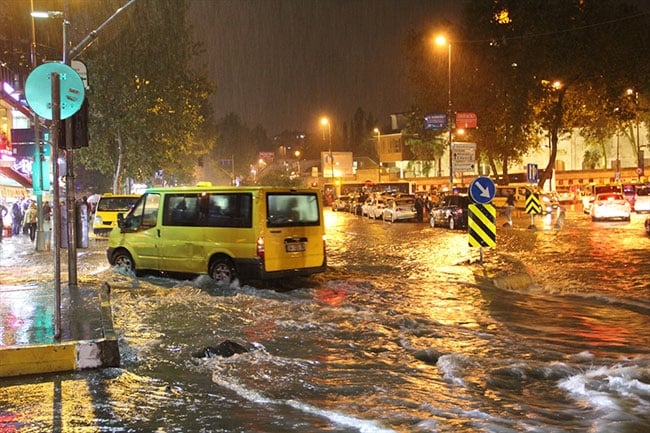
406	332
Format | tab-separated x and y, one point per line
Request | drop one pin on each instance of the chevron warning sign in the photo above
533	205
482	225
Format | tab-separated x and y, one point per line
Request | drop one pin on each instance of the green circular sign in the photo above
38	90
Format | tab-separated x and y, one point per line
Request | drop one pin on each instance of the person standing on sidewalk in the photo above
3	213
31	215
16	218
47	216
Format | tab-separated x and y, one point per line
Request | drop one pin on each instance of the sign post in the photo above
464	157
481	222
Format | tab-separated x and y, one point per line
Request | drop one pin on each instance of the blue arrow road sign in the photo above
482	190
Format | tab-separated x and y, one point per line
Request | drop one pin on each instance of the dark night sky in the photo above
283	64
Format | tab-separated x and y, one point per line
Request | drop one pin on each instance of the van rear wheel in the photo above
222	270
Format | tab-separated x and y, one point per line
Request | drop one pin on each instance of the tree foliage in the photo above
535	68
148	104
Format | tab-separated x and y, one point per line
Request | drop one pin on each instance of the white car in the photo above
376	209
642	199
610	205
399	209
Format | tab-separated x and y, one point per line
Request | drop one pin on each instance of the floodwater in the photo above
406	332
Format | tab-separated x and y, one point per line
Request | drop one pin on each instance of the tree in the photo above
570	56
508	57
147	104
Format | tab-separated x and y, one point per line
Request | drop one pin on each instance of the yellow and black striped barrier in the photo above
482	225
533	205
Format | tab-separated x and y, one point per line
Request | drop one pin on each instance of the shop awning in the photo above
15	104
10	177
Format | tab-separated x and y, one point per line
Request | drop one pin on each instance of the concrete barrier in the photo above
65	355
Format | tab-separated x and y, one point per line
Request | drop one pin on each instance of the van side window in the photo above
229	210
208	210
181	210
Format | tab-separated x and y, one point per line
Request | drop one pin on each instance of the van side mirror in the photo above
120	220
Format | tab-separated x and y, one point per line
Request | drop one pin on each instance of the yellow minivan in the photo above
521	192
107	209
225	232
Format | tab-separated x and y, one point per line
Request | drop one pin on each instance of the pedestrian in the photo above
510	206
16	219
31	217
47	216
419	206
24	206
3	213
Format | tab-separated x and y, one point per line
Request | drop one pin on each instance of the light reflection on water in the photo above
339	354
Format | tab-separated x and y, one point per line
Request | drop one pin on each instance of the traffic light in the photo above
79	125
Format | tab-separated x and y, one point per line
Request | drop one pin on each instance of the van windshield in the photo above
292	209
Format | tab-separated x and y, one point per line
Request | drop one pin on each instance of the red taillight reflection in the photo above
260	247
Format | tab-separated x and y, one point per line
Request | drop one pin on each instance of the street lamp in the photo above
297	153
326	122
67	141
42	244
378	132
639	153
442	41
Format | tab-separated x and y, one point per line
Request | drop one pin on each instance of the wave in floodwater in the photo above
405	332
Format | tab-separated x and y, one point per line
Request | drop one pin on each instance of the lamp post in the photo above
67	144
42	243
442	41
326	122
378	132
297	153
639	153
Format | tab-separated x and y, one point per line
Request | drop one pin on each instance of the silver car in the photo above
399	209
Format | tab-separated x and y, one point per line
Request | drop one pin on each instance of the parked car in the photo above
399	209
356	202
610	205
642	199
376	209
451	212
341	203
365	207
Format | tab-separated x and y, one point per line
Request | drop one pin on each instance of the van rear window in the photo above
291	209
116	203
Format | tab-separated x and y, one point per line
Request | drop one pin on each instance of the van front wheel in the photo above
123	260
222	270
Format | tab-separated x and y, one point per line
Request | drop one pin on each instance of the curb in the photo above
68	355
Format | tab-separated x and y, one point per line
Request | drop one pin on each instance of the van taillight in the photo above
260	247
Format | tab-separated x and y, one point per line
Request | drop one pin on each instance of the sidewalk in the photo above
28	344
